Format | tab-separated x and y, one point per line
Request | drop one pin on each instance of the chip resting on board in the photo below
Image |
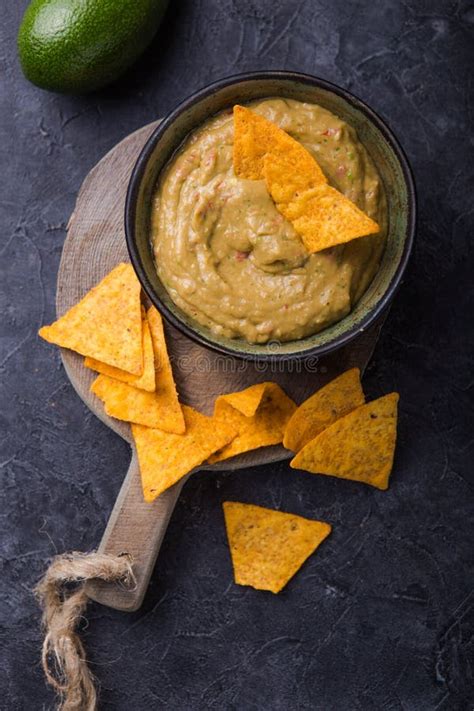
106	324
334	400
359	446
124	402
146	381
165	458
268	547
160	408
268	410
165	385
245	401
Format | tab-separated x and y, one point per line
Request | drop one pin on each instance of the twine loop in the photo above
63	656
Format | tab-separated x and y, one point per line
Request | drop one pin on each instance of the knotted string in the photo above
63	656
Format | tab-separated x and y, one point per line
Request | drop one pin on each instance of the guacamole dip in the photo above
231	261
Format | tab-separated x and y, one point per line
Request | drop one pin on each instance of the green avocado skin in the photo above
76	46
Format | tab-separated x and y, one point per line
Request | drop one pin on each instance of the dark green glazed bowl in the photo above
386	153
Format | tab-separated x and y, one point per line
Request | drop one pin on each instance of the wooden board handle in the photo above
137	528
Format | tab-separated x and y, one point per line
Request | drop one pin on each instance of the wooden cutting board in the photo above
95	244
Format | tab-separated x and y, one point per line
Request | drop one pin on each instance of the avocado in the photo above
76	46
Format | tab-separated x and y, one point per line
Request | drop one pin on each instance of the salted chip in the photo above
124	402
334	400
146	381
359	446
152	409
272	409
165	385
106	324
321	215
255	136
165	458
268	547
245	401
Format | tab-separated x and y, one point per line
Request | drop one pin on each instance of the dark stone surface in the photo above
382	618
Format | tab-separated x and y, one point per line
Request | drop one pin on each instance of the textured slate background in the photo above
382	617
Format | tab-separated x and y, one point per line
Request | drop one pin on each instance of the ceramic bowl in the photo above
378	139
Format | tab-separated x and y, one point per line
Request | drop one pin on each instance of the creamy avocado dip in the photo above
230	260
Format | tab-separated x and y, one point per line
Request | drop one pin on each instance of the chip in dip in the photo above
321	215
227	256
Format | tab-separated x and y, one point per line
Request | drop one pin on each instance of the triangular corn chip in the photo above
255	136
165	385
322	216
157	409
272	409
359	446
334	400
245	401
124	402
146	381
165	458
268	547
106	324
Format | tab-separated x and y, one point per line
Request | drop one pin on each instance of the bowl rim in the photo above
138	172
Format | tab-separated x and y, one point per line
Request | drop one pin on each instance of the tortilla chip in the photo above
245	401
124	402
165	458
359	446
165	385
268	547
159	409
334	400
146	381
322	216
106	324
255	136
272	409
